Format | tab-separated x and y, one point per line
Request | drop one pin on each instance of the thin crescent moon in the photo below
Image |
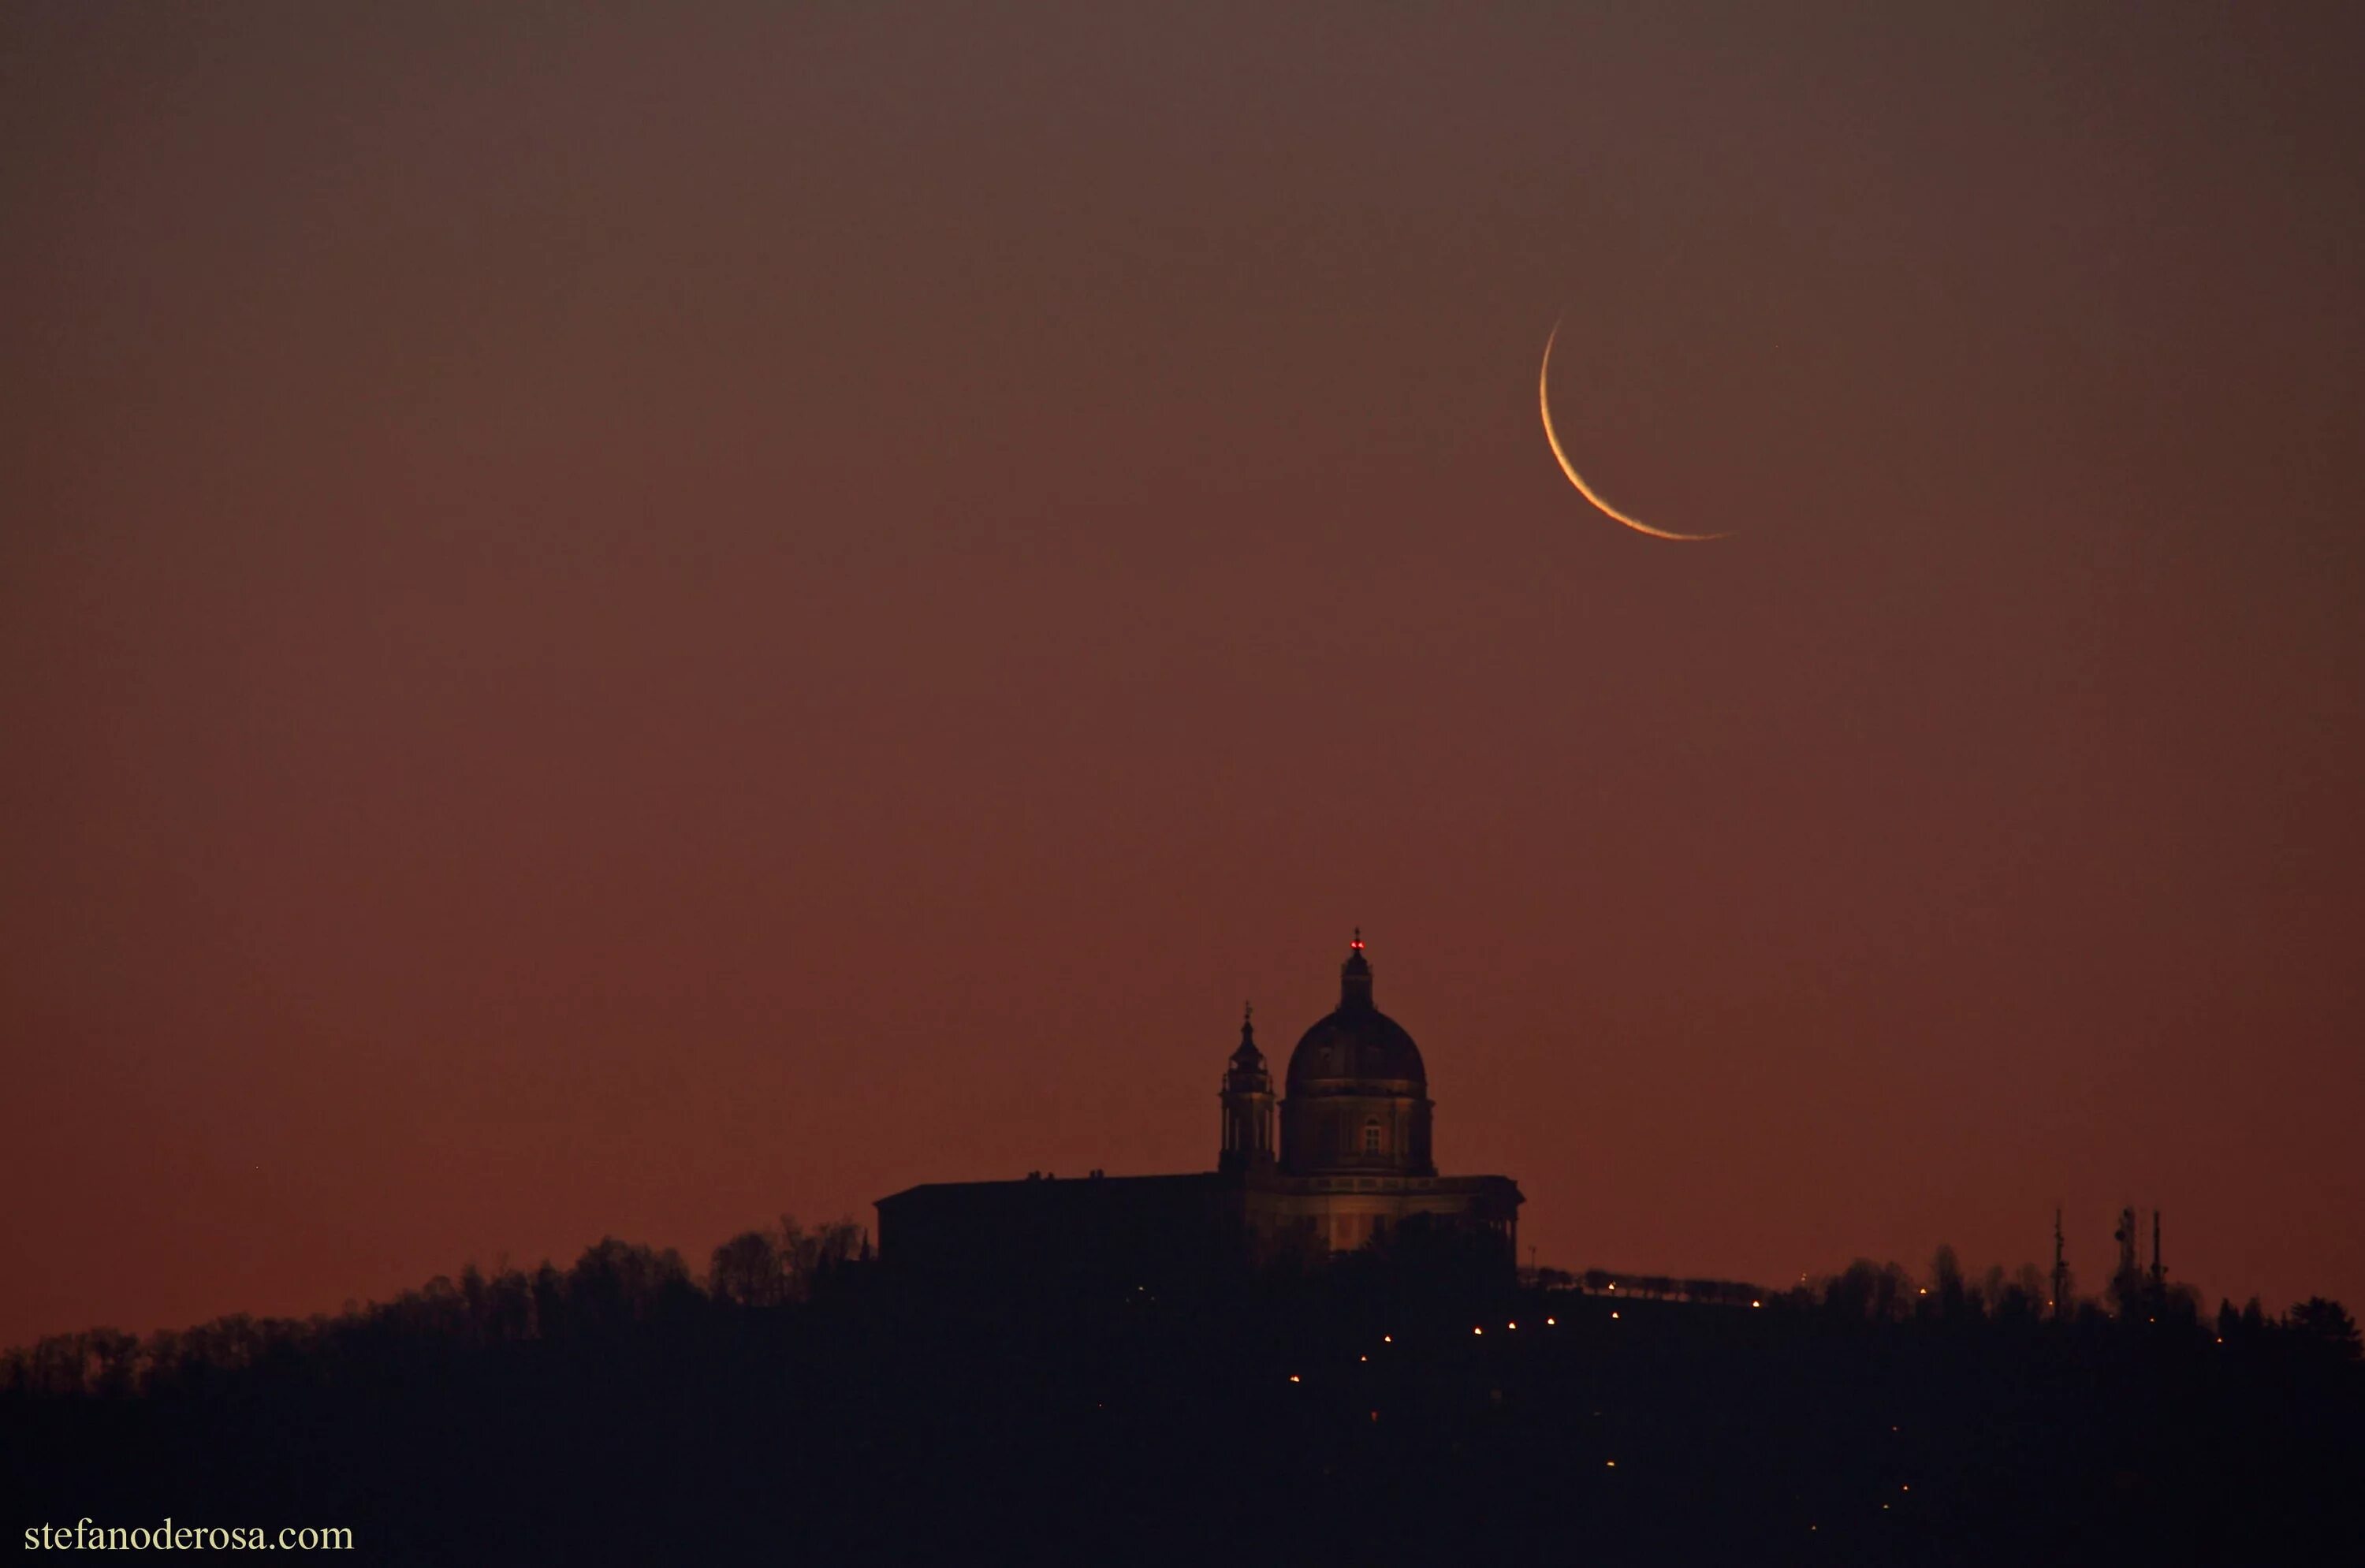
1543	399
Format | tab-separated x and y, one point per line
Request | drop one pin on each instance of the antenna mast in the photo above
2060	1270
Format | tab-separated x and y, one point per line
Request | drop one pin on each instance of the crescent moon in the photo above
1543	400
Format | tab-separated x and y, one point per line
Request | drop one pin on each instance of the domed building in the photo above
1351	1164
1354	1157
1358	1094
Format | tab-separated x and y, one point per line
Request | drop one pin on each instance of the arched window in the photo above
1371	1135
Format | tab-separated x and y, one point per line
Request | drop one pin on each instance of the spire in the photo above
1248	1055
1355	976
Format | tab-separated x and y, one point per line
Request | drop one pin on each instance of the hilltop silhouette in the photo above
1403	1403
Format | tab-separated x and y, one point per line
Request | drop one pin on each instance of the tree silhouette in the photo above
1950	1300
617	1282
746	1270
2323	1325
1868	1293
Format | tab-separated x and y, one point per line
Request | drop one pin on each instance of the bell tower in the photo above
1247	1105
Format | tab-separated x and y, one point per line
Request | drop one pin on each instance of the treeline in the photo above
1885	1292
614	1287
617	1286
1867	1292
1403	1404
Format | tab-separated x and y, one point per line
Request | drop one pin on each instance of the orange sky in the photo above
618	623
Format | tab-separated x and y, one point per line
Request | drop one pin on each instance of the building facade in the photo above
1339	1160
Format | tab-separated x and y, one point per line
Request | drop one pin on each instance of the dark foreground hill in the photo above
620	1414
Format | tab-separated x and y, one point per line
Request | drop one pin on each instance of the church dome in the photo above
1356	1049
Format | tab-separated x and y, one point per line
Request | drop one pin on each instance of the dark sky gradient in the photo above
620	621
